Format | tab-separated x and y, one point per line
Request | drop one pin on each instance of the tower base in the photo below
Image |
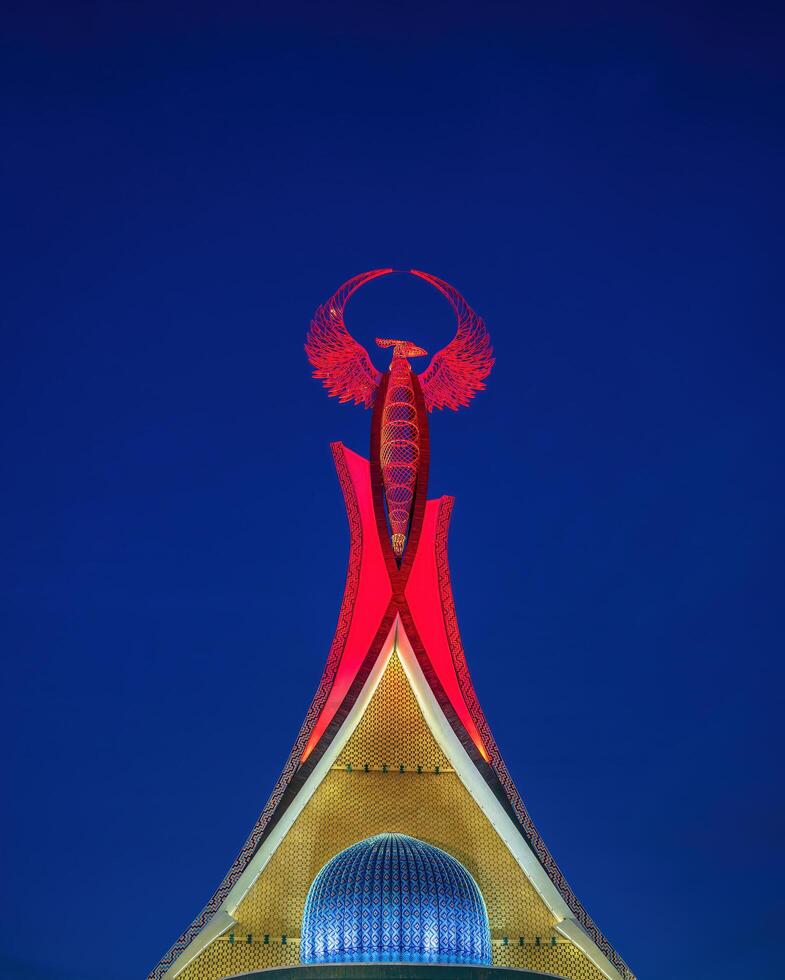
393	971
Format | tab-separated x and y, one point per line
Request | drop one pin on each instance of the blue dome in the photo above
394	899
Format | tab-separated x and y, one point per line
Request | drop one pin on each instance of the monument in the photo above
395	844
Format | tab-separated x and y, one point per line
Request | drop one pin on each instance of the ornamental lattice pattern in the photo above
400	449
394	899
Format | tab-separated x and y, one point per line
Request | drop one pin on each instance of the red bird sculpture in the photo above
451	379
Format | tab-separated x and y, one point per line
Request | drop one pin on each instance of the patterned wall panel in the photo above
392	731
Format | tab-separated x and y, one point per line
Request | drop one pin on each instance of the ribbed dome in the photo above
394	899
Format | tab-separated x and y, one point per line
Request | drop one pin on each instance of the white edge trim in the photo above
223	918
502	823
571	929
217	925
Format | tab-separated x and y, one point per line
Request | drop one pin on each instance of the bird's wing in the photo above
458	370
342	365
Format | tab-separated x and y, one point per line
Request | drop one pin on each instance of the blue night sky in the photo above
182	185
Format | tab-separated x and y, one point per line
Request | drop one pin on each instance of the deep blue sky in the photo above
182	185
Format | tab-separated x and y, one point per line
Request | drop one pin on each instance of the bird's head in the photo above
402	348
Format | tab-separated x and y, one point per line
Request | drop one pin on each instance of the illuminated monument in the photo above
395	844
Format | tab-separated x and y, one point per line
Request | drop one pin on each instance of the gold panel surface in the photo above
392	731
426	800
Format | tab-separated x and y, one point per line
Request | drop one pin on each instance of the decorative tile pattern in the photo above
389	732
394	899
